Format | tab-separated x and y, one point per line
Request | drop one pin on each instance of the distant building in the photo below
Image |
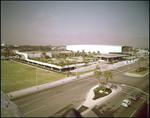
95	48
3	44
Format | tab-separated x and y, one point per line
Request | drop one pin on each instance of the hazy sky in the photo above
67	23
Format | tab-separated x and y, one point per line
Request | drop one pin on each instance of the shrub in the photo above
98	94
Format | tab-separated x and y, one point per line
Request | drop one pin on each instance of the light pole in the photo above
142	92
76	68
36	78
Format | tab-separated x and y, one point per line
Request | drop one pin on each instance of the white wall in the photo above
21	53
91	48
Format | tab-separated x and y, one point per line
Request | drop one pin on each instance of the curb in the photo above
134	75
31	90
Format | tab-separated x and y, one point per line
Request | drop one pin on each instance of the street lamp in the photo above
76	68
142	92
36	78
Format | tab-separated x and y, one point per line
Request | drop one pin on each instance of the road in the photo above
55	101
113	108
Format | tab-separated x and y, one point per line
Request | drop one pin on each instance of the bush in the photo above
141	69
98	94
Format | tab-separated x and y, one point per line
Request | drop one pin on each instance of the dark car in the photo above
134	95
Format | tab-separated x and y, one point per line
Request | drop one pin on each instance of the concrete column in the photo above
107	59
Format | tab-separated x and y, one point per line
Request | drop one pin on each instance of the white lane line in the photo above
33	110
117	107
143	101
133	113
125	92
44	92
19	100
143	98
24	105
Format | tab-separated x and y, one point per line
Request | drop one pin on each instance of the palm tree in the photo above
89	54
142	60
98	53
107	74
138	61
33	53
97	74
43	54
93	52
126	50
83	53
78	53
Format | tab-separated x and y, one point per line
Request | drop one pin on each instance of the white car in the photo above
126	103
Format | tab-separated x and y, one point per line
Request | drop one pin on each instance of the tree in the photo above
33	53
85	61
98	53
107	74
7	53
142	59
97	74
89	54
83	53
126	50
78	53
72	53
138	61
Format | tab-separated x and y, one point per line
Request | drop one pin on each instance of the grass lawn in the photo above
142	72
16	76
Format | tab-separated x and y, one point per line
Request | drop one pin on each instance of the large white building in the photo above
95	48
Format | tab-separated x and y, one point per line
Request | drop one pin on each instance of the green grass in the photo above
142	72
16	76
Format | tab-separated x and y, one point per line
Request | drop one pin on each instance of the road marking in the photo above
143	101
24	105
125	92
133	113
143	98
44	92
33	110
117	107
19	100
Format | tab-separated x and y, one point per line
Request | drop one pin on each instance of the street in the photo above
56	100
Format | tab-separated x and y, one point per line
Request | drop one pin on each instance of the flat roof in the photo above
111	55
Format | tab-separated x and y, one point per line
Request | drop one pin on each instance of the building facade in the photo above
95	48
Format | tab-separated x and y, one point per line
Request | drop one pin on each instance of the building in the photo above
3	44
95	48
108	52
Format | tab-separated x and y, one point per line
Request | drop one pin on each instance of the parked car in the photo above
126	103
134	95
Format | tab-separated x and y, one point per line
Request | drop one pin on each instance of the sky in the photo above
61	23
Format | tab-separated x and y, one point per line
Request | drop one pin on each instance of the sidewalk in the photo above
39	87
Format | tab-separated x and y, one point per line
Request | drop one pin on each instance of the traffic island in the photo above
89	103
99	92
